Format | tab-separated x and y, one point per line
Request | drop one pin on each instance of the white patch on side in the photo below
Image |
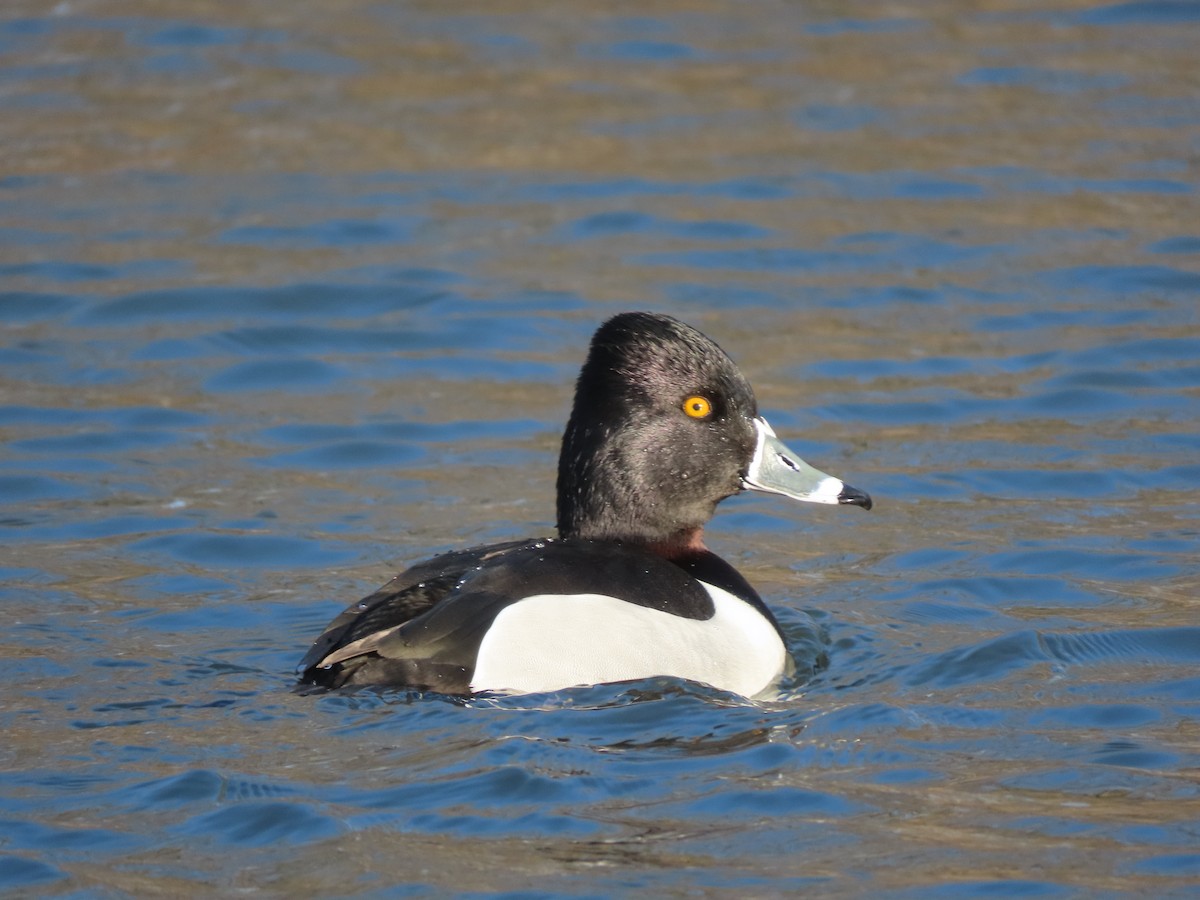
548	642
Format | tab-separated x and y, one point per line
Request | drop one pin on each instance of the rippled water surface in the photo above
292	295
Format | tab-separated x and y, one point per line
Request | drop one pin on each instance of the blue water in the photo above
288	302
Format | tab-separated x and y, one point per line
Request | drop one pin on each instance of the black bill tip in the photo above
854	497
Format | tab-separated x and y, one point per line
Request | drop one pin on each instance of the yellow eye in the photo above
698	407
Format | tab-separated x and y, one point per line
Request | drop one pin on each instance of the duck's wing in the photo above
411	594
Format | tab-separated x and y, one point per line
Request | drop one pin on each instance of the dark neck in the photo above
612	510
680	547
602	497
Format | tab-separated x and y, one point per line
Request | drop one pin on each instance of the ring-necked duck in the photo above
663	428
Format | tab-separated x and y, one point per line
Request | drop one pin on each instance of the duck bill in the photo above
777	470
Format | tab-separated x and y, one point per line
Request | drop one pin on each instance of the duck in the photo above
664	426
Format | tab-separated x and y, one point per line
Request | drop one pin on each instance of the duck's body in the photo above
664	426
546	614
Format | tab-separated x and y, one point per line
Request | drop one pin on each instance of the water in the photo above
295	296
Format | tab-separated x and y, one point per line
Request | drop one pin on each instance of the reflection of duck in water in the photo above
663	428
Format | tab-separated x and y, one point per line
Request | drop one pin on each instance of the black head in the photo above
661	431
663	428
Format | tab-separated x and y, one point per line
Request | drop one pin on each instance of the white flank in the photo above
549	641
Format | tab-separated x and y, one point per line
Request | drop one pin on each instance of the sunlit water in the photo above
295	297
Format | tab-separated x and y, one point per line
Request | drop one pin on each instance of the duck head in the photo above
663	428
